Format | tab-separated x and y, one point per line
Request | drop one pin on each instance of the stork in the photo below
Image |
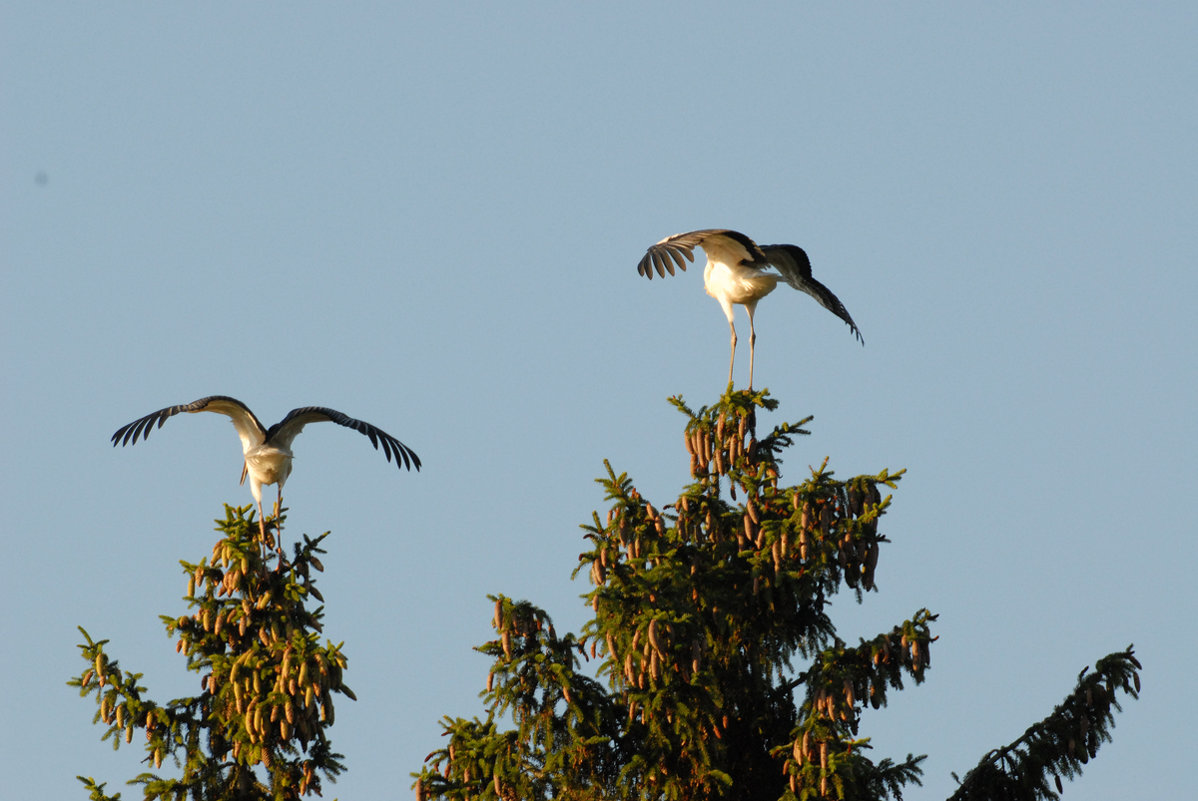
267	450
738	271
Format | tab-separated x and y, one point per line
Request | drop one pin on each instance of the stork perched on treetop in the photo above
267	450
737	271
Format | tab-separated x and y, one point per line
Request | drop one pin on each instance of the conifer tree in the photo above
718	673
258	728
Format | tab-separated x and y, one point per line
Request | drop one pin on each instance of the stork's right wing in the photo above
283	432
719	243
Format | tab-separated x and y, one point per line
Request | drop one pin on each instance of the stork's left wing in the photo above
247	424
792	264
284	431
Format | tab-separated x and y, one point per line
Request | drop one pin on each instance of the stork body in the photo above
267	451
739	271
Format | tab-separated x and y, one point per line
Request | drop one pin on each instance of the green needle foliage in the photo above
719	674
1060	744
258	728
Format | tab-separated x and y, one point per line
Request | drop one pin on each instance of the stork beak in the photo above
244	470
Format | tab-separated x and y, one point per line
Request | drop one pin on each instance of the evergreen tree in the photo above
719	673
258	728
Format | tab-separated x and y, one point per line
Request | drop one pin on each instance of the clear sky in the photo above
430	218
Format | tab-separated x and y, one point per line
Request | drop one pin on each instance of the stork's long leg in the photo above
752	343
732	350
278	525
261	524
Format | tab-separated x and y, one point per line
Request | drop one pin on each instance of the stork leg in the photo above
256	491
752	343
732	351
278	525
261	525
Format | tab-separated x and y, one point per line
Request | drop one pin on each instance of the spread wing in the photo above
284	431
720	244
795	268
248	427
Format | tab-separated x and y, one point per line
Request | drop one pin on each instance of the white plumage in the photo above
267	451
738	272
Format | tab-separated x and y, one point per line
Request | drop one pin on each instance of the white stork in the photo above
737	271
267	450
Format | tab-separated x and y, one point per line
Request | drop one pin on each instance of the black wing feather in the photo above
296	419
680	249
143	426
793	264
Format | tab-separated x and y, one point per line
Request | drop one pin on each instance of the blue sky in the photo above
430	218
